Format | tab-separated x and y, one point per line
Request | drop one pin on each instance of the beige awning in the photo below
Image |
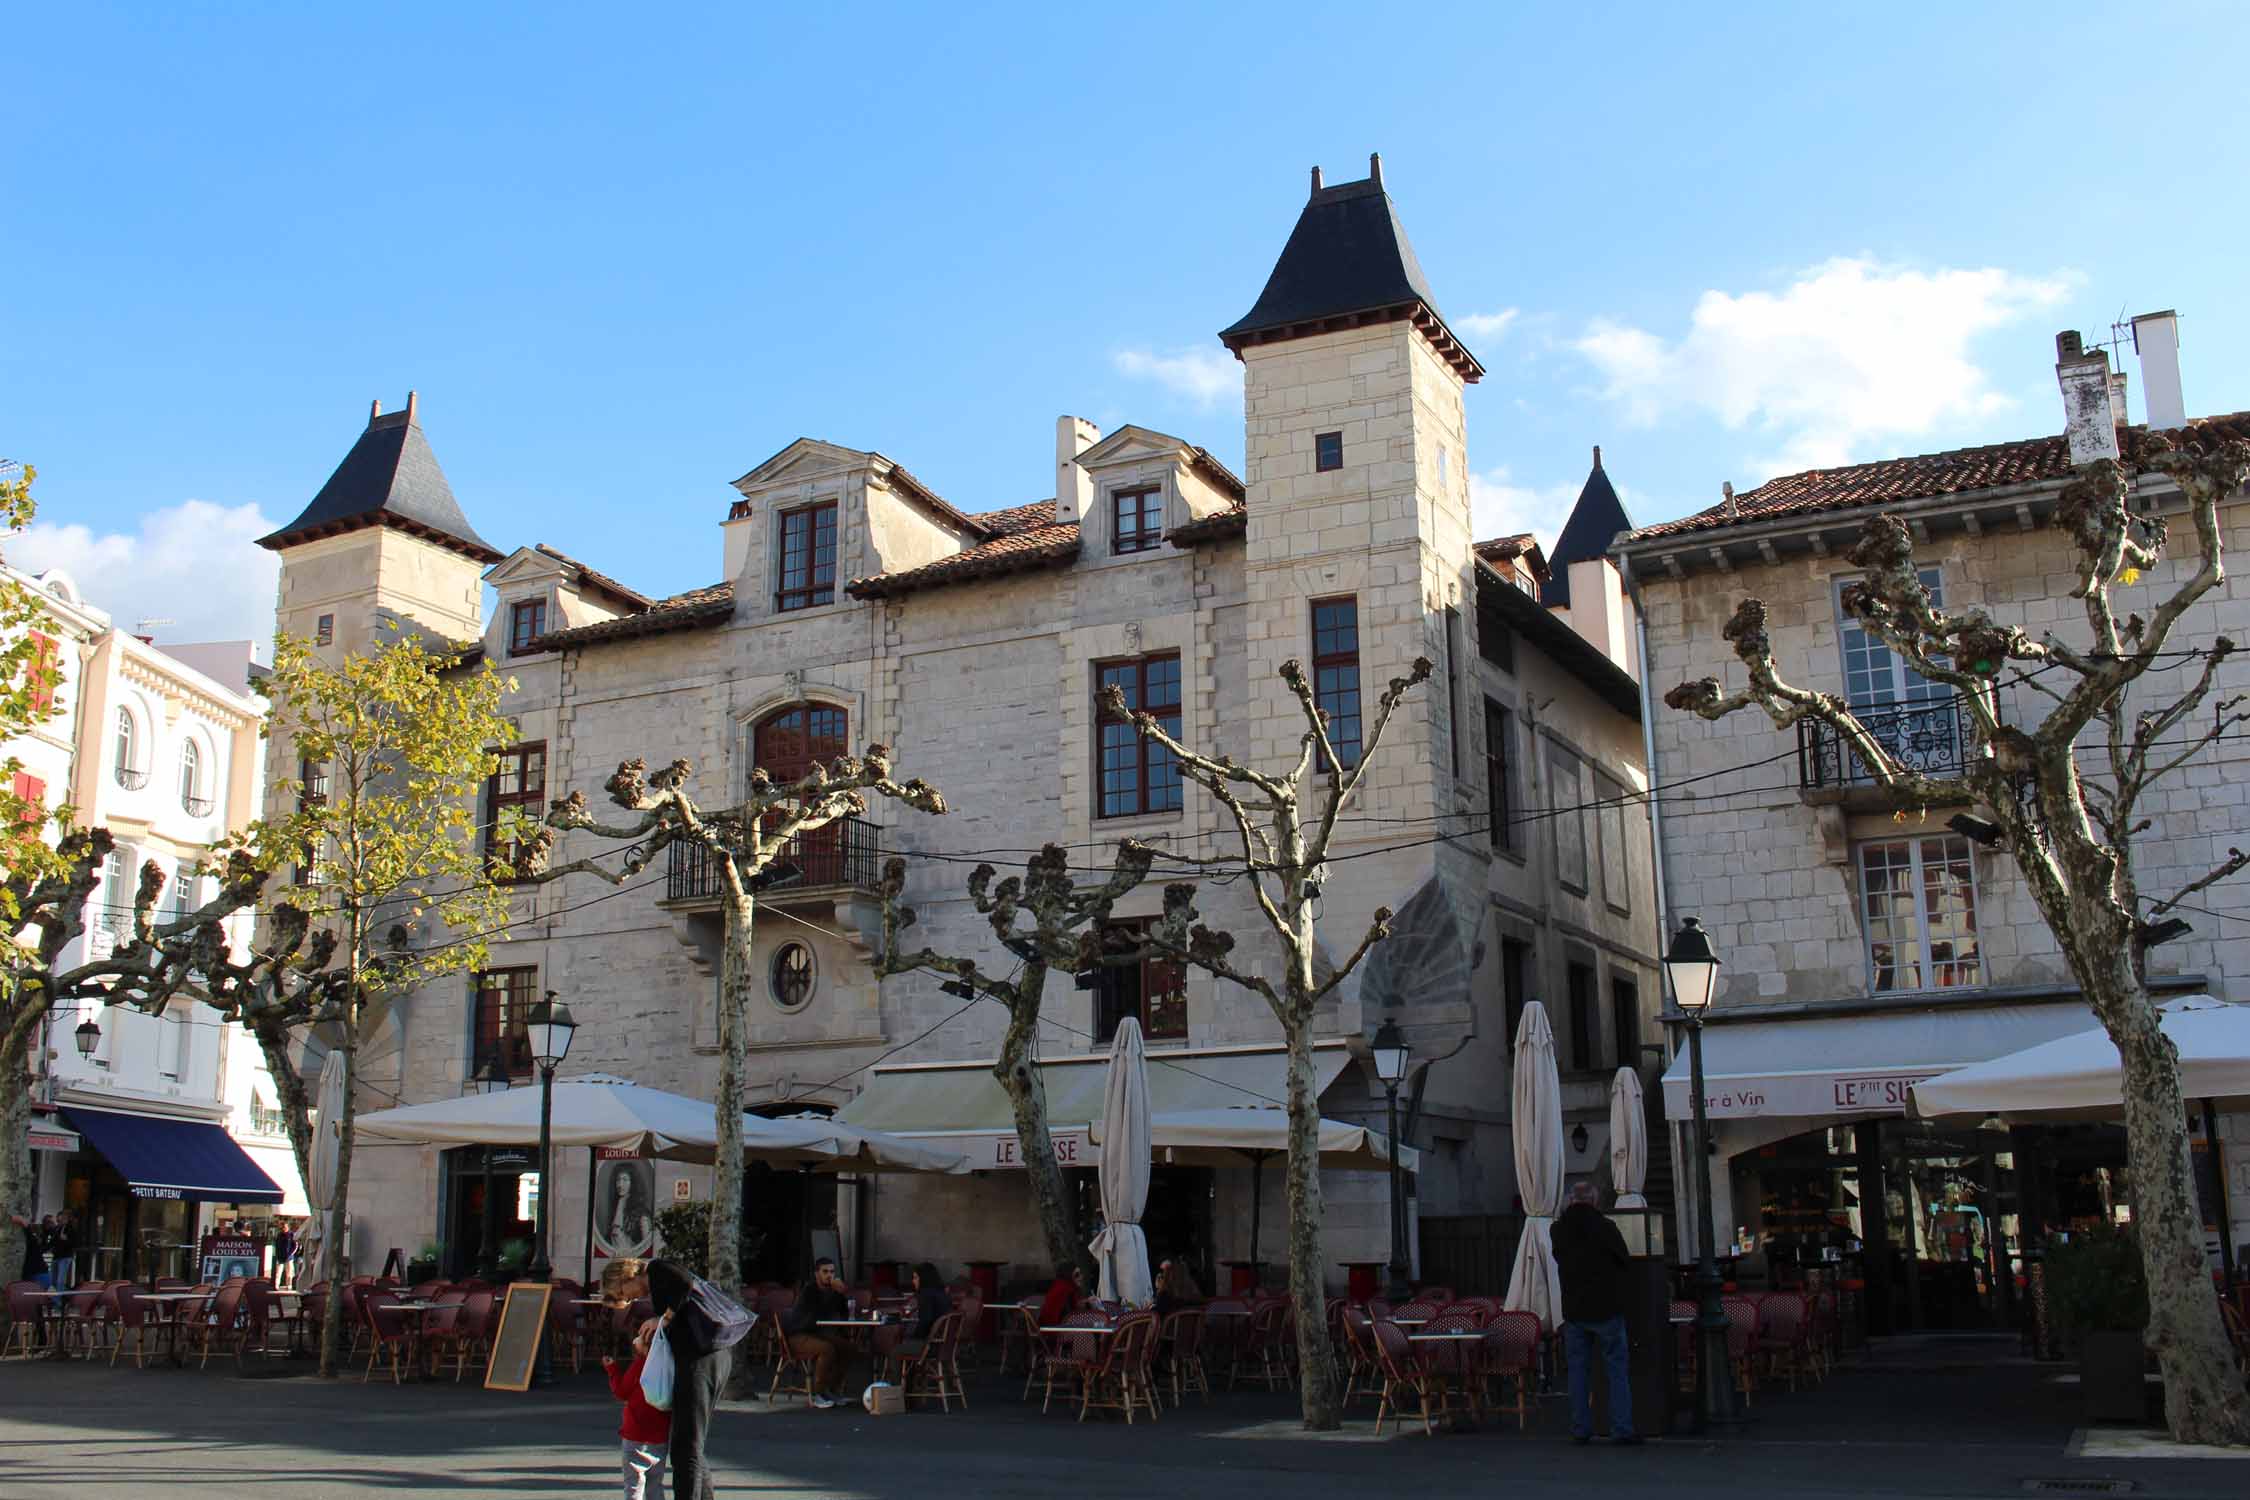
1240	1137
962	1107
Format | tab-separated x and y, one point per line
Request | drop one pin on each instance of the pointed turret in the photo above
390	478
1593	524
1348	263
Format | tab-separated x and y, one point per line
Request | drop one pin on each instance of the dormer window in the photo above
807	576
1136	519
527	622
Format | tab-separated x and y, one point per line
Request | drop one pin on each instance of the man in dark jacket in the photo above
821	1300
1590	1254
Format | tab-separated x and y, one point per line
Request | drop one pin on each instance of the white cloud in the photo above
193	563
1491	327
1498	506
1204	377
1851	358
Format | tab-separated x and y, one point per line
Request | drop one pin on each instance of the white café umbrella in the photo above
1121	1248
327	1147
2081	1073
596	1110
1628	1139
1536	1099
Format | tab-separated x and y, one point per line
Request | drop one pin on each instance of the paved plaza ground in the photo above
1929	1417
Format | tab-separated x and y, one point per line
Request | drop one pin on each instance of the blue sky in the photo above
626	254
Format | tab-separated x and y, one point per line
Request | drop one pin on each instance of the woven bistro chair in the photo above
1742	1342
1036	1348
86	1317
1073	1358
1784	1341
465	1335
1364	1375
1267	1353
392	1331
137	1318
765	1339
1452	1364
441	1327
1182	1335
27	1318
1015	1334
1121	1380
568	1328
934	1373
1226	1324
218	1321
1404	1378
792	1376
1509	1358
1478	1312
1418	1310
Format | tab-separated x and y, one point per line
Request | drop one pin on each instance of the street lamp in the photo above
551	1029
1390	1055
88	1036
1692	965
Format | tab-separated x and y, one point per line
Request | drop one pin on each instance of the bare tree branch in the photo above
2235	861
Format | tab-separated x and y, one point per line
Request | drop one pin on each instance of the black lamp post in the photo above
551	1029
1390	1055
1692	965
88	1036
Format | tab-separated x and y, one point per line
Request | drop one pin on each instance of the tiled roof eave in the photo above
967	568
1420	314
476	552
1221	526
1695	532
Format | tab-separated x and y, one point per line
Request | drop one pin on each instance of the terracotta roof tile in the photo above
1888	481
1037	541
689	611
601	581
1219	526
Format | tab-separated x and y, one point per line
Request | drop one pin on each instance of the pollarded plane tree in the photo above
744	843
1286	825
2067	794
1046	921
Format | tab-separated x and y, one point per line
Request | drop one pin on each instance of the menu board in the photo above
515	1347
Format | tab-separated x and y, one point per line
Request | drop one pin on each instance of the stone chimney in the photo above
2083	375
2156	339
1074	487
2120	415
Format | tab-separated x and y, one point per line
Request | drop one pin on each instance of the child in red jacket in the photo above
647	1432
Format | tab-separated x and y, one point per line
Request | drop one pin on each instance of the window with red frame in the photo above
1139	775
1152	991
503	1032
527	621
1335	632
521	782
1137	519
808	557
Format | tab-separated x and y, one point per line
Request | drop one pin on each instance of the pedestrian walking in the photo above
285	1255
645	1431
1590	1254
62	1251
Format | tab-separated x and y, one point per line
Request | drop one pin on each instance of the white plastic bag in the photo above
657	1373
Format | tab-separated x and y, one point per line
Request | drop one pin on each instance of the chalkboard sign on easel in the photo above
515	1347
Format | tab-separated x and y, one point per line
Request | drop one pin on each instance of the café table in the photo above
168	1305
1410	1322
51	1322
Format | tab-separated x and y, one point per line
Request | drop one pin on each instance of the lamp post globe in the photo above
88	1036
1691	964
1391	1057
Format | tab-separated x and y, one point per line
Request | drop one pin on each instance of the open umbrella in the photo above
2082	1074
327	1147
1628	1139
1121	1248
1536	1099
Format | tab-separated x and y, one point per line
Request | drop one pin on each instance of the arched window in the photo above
785	745
191	778
129	774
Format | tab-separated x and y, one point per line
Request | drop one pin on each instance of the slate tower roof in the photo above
1594	523
390	478
1348	262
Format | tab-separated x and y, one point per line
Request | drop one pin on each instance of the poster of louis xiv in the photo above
624	1206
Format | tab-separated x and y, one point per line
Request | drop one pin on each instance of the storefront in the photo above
140	1183
1819	1174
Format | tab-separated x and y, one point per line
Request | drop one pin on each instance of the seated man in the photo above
821	1299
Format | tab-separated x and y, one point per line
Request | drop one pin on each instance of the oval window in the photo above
792	975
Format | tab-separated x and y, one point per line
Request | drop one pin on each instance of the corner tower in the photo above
384	537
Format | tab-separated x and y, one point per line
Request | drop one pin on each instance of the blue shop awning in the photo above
180	1159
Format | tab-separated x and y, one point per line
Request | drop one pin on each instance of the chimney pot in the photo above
2069	345
2117	410
1597	455
2156	338
375	410
1726	491
1375	167
1316	182
411	399
2089	415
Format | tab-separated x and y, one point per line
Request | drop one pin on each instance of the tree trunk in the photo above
333	1263
1308	1286
290	1094
1019	1075
737	972
15	1145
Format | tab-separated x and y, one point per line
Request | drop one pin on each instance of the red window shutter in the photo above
32	791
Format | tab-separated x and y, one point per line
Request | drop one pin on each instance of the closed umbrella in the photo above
1121	1248
1628	1139
327	1147
1536	1096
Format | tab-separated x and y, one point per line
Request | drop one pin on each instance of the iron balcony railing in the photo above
197	806
1929	739
846	853
131	779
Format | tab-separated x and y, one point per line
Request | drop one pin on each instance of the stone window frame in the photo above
1157	976
1582	1023
1328	451
324	630
1146	755
1500	769
1609	794
1336	660
775	980
1150	506
525	795
811	593
523	641
511	990
1567	814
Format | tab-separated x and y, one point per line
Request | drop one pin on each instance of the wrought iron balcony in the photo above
1929	739
845	855
197	806
131	779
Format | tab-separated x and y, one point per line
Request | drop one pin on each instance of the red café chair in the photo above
1404	1377
1478	1313
1418	1310
441	1330
1784	1337
27	1313
1742	1342
137	1318
1364	1373
217	1321
1182	1334
1121	1379
1684	1341
1226	1325
1036	1346
86	1317
1450	1363
568	1328
392	1330
1074	1358
468	1334
935	1372
1509	1357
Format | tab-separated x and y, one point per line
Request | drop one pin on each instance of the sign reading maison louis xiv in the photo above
1073	1148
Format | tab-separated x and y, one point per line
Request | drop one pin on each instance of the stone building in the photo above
1866	948
854	604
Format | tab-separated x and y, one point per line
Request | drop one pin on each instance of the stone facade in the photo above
985	685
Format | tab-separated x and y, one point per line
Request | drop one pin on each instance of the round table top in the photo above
1094	1328
1432	1338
